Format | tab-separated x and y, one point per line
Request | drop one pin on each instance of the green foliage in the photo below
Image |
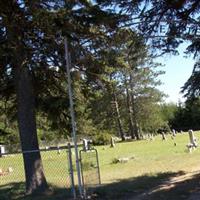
104	57
168	112
187	115
181	24
191	88
102	111
107	61
101	138
8	126
129	82
182	18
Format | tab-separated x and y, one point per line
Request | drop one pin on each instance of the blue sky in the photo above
177	71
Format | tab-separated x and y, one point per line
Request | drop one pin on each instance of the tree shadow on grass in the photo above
147	187
150	187
16	191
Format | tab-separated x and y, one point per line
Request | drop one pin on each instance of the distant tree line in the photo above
187	115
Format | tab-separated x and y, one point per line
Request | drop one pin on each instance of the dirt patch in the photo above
163	186
180	187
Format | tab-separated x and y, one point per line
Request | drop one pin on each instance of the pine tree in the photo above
30	55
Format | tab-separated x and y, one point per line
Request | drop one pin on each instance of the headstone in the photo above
58	150
123	160
163	136
10	170
193	141
2	150
86	144
112	142
151	137
173	133
46	147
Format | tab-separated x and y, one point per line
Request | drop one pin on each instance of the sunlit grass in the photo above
149	159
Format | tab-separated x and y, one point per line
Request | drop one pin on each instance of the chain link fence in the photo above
90	169
59	165
56	169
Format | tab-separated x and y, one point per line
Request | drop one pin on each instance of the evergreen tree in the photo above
187	116
138	80
30	54
180	21
129	84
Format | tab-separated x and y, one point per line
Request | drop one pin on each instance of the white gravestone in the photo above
193	141
2	150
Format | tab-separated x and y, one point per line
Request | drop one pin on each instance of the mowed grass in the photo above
55	167
154	159
149	157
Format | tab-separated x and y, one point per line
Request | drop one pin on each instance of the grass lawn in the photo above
149	157
153	162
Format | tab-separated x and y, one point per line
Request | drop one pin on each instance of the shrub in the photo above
102	138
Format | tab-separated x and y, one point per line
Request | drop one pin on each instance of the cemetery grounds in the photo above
152	170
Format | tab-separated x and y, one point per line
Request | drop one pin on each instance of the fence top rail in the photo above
50	148
53	148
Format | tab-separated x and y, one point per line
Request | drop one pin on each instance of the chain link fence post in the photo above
71	171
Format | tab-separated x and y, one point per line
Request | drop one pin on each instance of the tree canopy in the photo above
31	53
110	63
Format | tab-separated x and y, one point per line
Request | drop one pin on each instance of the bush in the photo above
102	138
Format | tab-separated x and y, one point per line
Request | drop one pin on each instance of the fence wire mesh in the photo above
90	168
55	164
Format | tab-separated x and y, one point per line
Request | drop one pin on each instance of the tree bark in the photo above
130	111
135	124
35	179
118	117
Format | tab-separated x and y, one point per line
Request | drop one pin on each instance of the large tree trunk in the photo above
35	179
